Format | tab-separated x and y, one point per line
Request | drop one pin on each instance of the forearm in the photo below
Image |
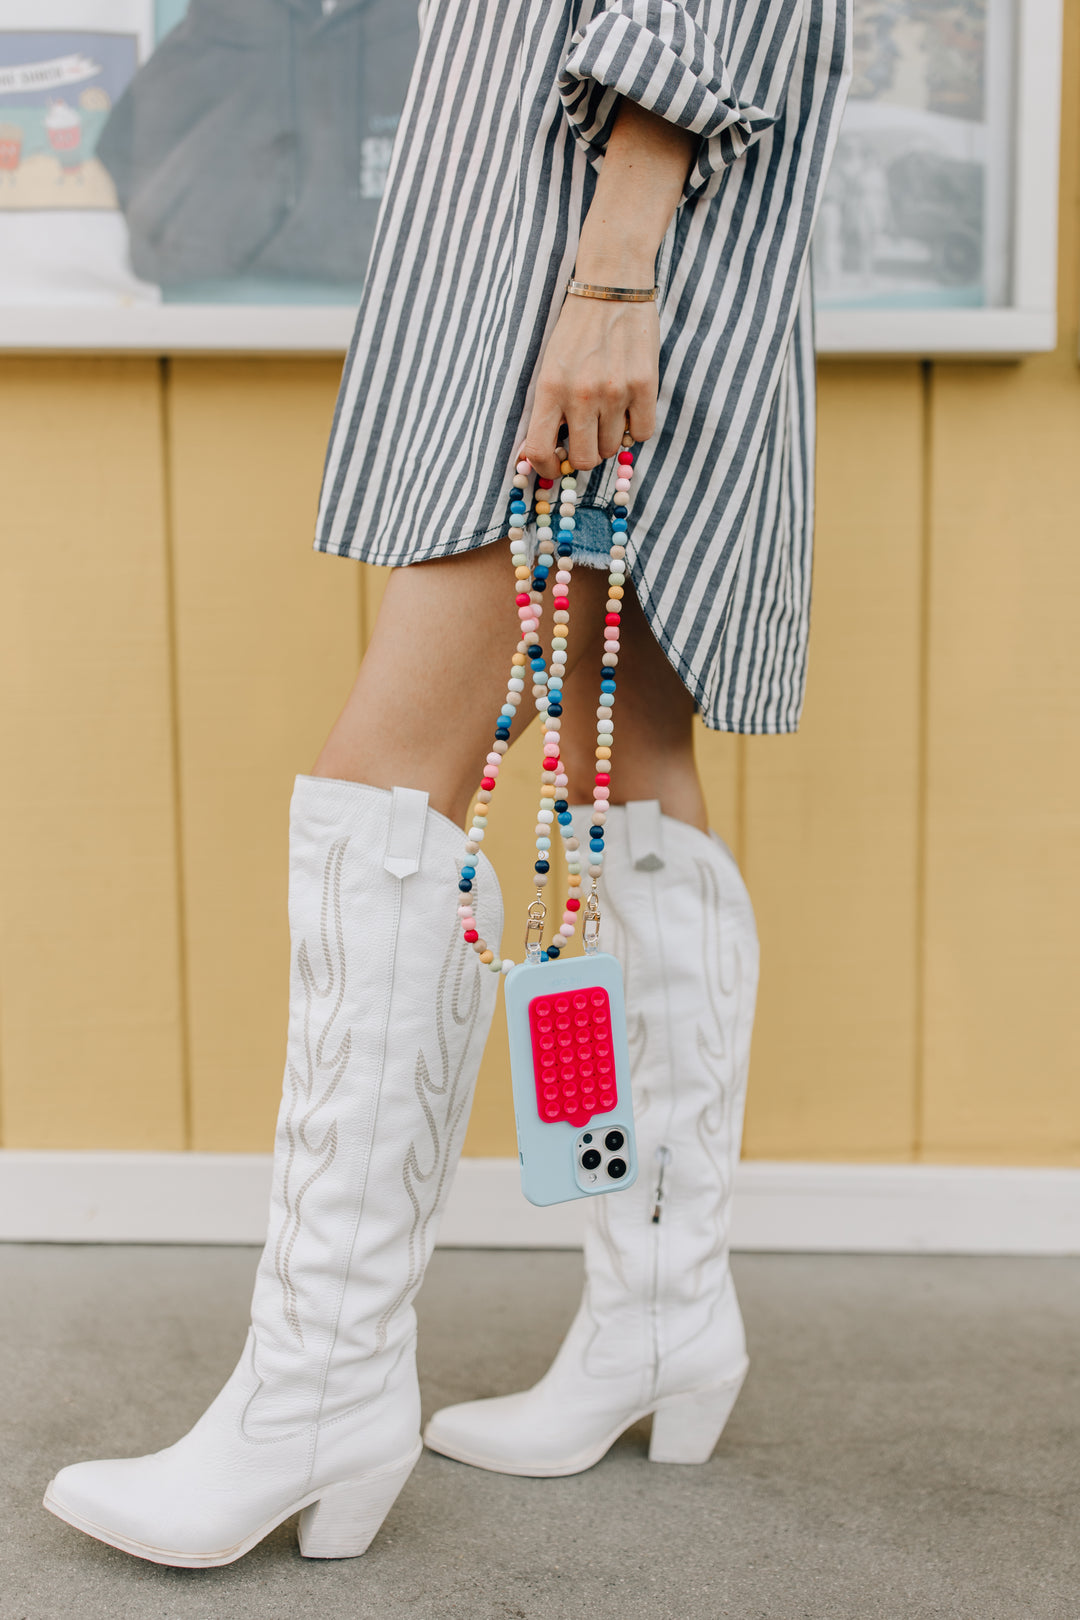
638	189
600	370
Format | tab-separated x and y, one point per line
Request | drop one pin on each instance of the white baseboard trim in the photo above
794	1207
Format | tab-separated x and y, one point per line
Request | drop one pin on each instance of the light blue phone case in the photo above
551	1151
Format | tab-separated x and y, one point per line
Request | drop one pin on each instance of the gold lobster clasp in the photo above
534	930
590	931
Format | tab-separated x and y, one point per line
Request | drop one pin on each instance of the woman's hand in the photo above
600	370
601	367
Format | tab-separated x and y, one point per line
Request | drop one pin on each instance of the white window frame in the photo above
1026	326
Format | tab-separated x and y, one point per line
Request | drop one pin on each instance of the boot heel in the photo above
685	1428
344	1521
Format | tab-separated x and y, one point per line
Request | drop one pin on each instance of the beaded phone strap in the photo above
532	582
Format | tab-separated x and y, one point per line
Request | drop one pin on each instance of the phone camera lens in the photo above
590	1159
616	1169
613	1141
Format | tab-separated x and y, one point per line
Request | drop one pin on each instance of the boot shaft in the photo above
389	1011
677	914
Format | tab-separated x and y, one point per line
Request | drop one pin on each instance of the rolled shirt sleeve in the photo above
714	67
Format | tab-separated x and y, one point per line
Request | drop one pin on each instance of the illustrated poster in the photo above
207	153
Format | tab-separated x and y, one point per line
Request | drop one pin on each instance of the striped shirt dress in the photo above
494	165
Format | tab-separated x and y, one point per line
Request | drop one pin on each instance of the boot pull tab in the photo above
408	817
645	833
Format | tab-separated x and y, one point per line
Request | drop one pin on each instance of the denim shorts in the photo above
592	536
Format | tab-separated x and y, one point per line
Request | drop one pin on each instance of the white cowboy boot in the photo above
658	1329
389	1010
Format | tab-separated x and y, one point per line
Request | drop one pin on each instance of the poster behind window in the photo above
222	152
916	212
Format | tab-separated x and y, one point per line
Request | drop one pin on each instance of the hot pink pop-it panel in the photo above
572	1055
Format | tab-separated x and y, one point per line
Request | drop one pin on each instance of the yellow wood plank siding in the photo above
830	840
1002	1056
268	639
914	855
90	1028
1001	957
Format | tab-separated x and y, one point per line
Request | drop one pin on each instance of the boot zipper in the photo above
663	1156
663	1153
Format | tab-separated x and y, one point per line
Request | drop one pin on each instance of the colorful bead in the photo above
531	582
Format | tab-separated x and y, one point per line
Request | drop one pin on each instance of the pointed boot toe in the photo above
563	1425
199	1503
126	1502
482	1433
99	1497
500	1434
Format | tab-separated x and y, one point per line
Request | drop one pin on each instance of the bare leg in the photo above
654	713
422	711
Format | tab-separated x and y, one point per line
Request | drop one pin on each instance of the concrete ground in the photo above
907	1446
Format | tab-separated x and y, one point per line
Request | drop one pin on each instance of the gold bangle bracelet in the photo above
621	295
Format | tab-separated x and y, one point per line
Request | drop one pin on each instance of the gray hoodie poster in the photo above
255	140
